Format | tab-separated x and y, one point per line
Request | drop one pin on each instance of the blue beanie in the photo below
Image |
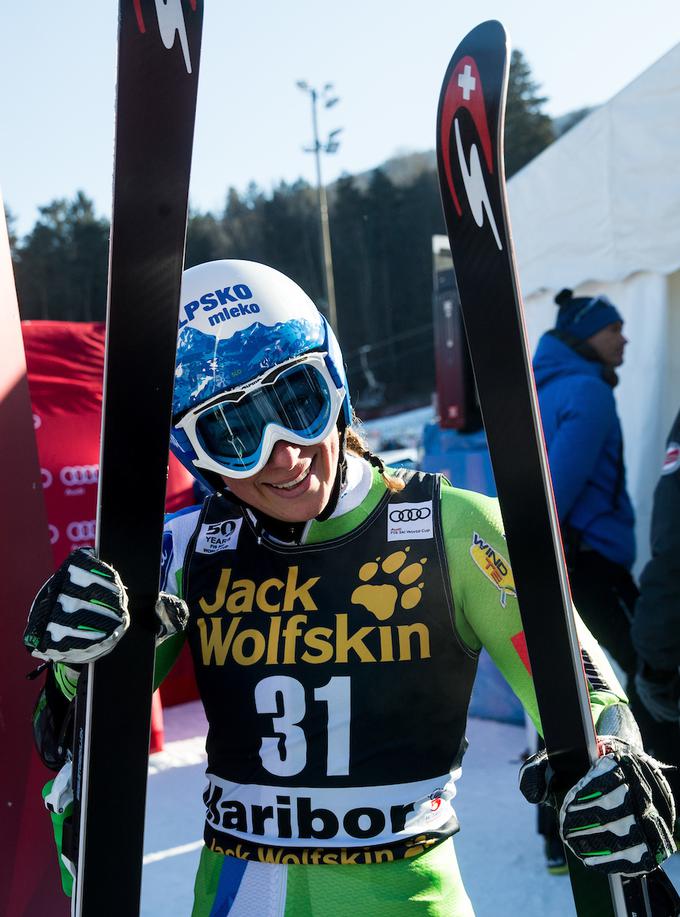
584	316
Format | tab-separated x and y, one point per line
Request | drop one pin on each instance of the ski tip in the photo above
491	27
488	34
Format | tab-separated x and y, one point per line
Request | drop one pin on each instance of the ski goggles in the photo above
234	434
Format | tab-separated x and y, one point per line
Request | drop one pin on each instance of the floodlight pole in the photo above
317	148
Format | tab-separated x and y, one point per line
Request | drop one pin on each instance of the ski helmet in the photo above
256	363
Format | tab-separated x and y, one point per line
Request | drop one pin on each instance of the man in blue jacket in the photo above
575	369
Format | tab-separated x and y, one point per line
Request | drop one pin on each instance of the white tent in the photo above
599	211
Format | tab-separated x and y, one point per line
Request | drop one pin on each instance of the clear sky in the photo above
386	59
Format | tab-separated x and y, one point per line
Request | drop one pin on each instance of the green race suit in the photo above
336	676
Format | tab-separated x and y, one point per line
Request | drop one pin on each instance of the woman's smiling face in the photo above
295	484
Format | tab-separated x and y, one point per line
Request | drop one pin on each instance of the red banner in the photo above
65	370
65	374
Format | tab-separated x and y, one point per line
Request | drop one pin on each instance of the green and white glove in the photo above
619	817
80	613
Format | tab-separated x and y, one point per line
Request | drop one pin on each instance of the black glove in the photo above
173	615
619	818
80	613
659	691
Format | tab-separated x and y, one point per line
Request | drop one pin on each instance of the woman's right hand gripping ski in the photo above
80	613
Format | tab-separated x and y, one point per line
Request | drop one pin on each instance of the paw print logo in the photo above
381	598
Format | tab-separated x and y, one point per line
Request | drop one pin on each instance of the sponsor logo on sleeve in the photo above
494	567
671	462
406	521
218	536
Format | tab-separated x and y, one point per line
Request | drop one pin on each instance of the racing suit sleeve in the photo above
486	607
179	527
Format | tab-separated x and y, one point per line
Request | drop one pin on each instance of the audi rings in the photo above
78	475
410	515
82	531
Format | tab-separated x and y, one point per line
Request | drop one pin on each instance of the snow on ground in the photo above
500	854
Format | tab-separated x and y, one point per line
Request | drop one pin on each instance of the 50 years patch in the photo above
218	536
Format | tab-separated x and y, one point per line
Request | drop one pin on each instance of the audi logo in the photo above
54	534
410	515
46	477
77	475
81	531
37	421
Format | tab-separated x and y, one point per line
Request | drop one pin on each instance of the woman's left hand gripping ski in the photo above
620	817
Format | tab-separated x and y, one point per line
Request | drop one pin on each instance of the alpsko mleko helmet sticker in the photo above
207	365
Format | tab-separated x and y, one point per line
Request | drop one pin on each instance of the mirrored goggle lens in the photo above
232	432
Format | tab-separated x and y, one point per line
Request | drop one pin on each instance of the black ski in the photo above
158	58
470	124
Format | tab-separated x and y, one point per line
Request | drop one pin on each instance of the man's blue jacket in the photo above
585	449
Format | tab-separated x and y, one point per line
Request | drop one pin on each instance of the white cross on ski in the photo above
467	82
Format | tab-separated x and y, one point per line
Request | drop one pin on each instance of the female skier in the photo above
336	611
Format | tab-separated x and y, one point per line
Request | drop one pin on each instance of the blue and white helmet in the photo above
256	363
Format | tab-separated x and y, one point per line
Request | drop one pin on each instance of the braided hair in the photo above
356	444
